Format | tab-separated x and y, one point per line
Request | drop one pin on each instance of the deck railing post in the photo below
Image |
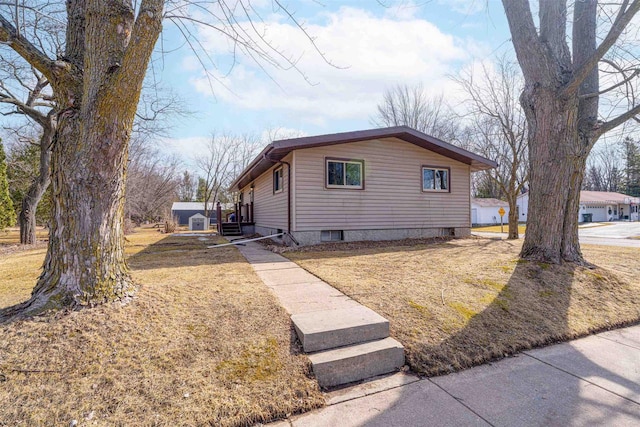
219	217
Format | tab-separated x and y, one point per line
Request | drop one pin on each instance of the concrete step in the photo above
357	362
326	329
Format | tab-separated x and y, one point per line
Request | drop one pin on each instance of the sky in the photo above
362	48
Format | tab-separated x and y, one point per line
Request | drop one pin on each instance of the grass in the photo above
11	235
202	343
496	228
459	303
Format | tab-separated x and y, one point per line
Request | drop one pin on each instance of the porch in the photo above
237	222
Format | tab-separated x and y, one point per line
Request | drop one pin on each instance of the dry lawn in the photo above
496	228
459	303
203	343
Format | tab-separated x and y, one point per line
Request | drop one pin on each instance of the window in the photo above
331	235
345	174
278	180
435	179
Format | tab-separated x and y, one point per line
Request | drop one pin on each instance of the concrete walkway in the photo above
348	341
298	290
590	381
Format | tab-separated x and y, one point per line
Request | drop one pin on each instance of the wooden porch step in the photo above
231	229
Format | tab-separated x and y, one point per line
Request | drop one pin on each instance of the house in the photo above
182	211
378	184
608	206
485	211
597	206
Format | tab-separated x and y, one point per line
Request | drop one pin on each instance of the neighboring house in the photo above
596	206
378	184
485	211
185	210
522	202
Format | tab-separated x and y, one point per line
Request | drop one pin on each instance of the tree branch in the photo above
26	49
611	124
524	34
25	109
145	32
620	23
610	88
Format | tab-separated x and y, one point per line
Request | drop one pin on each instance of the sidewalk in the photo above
345	341
590	381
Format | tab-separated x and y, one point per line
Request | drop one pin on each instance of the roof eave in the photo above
277	150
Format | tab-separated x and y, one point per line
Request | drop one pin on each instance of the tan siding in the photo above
392	197
270	210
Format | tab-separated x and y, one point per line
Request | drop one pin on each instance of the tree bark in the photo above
562	119
27	216
513	217
97	89
553	164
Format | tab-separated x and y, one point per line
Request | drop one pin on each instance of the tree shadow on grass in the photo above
169	252
541	304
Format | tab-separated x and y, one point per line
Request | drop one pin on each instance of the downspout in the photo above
288	196
266	156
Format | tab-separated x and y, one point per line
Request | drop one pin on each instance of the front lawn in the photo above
497	229
202	343
459	303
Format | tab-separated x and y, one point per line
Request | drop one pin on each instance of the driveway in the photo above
624	234
612	230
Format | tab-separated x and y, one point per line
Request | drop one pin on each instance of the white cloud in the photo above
371	53
186	148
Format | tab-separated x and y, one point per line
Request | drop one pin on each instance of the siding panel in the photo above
270	210
392	197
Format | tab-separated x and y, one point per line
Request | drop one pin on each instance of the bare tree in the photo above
561	101
605	169
151	182
40	109
411	106
186	187
500	129
227	156
96	84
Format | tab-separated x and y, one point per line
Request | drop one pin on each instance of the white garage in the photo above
486	211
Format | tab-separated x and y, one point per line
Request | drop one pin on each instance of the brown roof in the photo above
277	150
487	202
605	197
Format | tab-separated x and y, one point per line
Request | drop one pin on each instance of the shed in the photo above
485	211
182	211
198	222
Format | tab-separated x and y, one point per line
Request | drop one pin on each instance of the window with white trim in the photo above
344	174
278	180
435	179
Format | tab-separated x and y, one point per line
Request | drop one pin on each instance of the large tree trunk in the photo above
85	264
553	166
97	90
27	217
